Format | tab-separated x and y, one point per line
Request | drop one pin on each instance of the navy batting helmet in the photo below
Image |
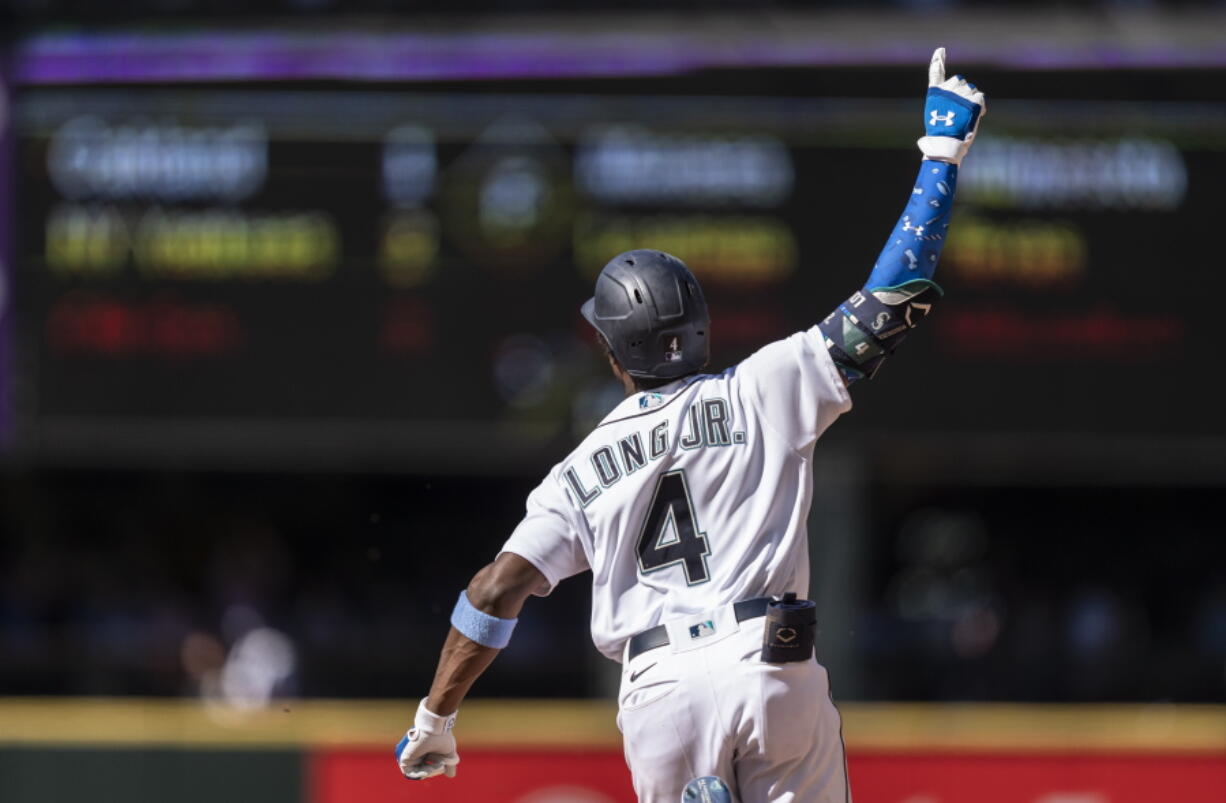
651	312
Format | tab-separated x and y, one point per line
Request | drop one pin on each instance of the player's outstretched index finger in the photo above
936	68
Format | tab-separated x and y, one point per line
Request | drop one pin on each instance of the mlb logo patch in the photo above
649	400
702	629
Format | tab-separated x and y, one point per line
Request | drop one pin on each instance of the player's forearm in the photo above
460	664
481	625
915	244
494	598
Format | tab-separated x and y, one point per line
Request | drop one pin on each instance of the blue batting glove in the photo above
952	111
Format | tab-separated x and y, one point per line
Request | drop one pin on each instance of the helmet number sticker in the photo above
673	352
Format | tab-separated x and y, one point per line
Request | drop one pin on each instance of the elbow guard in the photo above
869	326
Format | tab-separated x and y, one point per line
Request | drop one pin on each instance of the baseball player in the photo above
688	504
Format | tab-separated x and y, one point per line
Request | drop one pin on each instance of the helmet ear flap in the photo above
588	311
607	346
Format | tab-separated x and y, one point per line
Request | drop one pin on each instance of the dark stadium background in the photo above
213	456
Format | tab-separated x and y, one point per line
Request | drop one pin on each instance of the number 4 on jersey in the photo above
670	532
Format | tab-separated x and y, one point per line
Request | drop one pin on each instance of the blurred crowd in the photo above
1051	594
244	588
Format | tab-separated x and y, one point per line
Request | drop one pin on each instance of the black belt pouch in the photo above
791	628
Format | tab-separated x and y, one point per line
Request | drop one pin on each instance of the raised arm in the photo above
870	325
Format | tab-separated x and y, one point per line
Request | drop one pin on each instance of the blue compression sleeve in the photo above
866	329
486	630
916	242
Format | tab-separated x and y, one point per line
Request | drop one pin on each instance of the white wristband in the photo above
431	723
944	149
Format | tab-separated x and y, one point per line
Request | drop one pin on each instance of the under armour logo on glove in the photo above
943	107
948	119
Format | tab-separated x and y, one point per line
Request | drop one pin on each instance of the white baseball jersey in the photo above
690	496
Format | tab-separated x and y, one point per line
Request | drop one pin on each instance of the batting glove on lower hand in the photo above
428	748
951	114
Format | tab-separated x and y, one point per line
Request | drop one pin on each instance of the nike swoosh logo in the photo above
636	675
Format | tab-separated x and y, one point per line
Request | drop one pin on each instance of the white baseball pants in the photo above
707	704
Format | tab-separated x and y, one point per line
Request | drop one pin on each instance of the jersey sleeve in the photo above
795	386
547	537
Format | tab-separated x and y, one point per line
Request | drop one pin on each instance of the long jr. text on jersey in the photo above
707	424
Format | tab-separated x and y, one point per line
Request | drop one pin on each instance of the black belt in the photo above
658	636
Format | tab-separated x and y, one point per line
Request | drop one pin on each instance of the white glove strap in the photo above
430	723
944	149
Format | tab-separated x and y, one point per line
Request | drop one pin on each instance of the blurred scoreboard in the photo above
245	272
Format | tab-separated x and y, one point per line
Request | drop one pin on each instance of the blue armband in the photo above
486	630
